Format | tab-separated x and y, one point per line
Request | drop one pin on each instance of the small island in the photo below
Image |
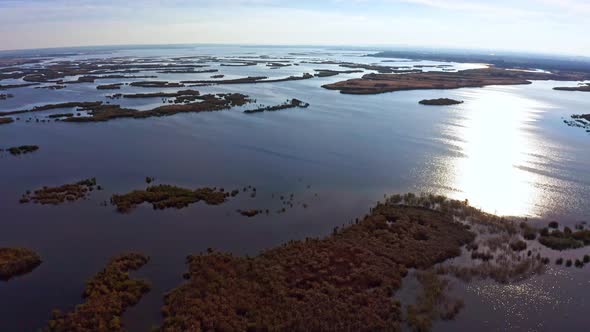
440	102
167	196
61	194
17	261
581	88
286	105
6	120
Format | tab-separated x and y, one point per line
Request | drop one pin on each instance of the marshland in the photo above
175	171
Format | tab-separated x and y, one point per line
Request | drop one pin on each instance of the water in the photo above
506	150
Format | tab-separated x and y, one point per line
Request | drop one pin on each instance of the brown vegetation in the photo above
58	195
167	196
380	83
17	261
342	282
106	297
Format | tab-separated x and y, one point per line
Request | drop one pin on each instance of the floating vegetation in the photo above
440	102
17	261
106	297
167	196
23	149
342	282
580	121
58	195
293	103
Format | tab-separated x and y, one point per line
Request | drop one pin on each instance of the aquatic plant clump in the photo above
167	196
17	261
559	240
61	194
106	297
342	282
23	149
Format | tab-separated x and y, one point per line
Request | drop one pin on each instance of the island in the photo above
440	102
471	78
17	261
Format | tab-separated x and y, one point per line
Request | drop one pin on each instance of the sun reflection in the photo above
496	144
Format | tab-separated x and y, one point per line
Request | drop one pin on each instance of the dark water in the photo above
505	149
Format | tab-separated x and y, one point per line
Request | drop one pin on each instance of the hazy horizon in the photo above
536	26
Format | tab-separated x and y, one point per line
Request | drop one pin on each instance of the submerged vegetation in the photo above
432	303
61	194
106	297
17	261
167	196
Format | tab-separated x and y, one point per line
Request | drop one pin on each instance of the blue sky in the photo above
548	26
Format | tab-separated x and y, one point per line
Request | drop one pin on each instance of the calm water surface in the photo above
506	150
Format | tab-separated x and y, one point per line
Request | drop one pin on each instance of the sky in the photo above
541	26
